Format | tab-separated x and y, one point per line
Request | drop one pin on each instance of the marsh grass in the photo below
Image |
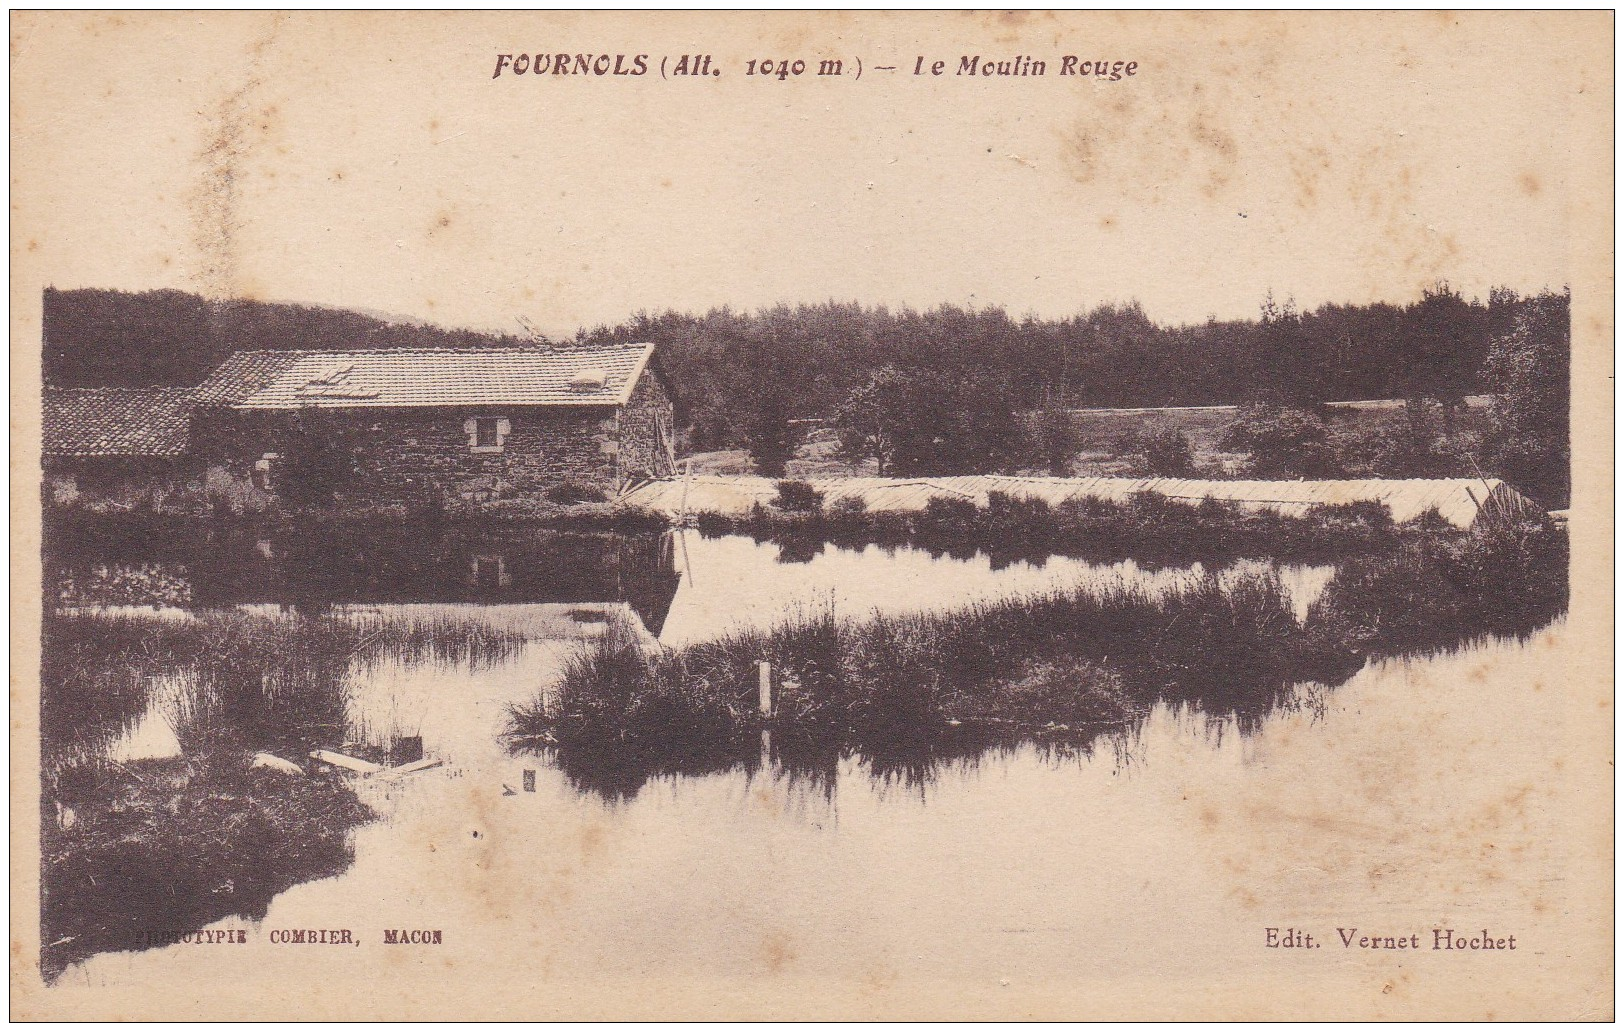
161	847
443	638
98	672
170	845
233	680
1504	580
902	692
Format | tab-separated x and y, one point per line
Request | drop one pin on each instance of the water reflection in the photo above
319	566
901	762
410	620
1025	867
810	779
435	635
172	791
733	583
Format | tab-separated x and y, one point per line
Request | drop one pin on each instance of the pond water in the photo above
721	585
734	582
1014	869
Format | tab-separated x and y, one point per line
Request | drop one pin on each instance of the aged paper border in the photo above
1580	986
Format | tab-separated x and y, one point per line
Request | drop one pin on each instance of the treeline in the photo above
807	358
1522	437
95	337
731	366
952	389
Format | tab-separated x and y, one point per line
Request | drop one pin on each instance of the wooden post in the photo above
687	474
766	689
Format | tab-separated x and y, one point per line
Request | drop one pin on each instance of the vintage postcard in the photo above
793	516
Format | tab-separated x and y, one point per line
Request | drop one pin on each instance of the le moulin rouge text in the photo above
635	65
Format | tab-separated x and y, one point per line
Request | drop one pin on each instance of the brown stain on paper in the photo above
776	951
1172	135
1136	149
237	130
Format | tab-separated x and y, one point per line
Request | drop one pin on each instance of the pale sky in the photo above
370	161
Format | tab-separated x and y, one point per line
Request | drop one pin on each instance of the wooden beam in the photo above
355	764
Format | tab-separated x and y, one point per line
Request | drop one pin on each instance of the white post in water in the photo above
766	683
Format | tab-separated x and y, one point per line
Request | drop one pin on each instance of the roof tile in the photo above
147	421
428	377
242	374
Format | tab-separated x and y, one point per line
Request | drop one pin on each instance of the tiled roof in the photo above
150	421
430	377
242	374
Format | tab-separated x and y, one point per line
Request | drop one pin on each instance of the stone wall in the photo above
419	455
185	484
643	451
416	455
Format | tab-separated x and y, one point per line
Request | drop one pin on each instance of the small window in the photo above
486	433
263	475
489	572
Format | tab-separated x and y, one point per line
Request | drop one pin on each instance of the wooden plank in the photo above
356	764
404	769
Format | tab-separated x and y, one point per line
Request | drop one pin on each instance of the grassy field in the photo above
816	459
1109	436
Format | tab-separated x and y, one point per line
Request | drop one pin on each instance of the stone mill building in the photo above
400	425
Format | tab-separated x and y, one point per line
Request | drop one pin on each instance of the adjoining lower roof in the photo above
429	377
117	421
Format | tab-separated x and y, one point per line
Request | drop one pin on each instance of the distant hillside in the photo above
101	338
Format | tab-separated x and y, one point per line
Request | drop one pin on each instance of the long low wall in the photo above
1459	501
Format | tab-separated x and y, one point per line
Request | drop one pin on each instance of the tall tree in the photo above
769	366
1447	347
870	421
1528	368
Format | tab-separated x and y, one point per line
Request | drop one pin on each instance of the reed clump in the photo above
232	680
155	848
901	688
135	849
1078	660
1506	579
